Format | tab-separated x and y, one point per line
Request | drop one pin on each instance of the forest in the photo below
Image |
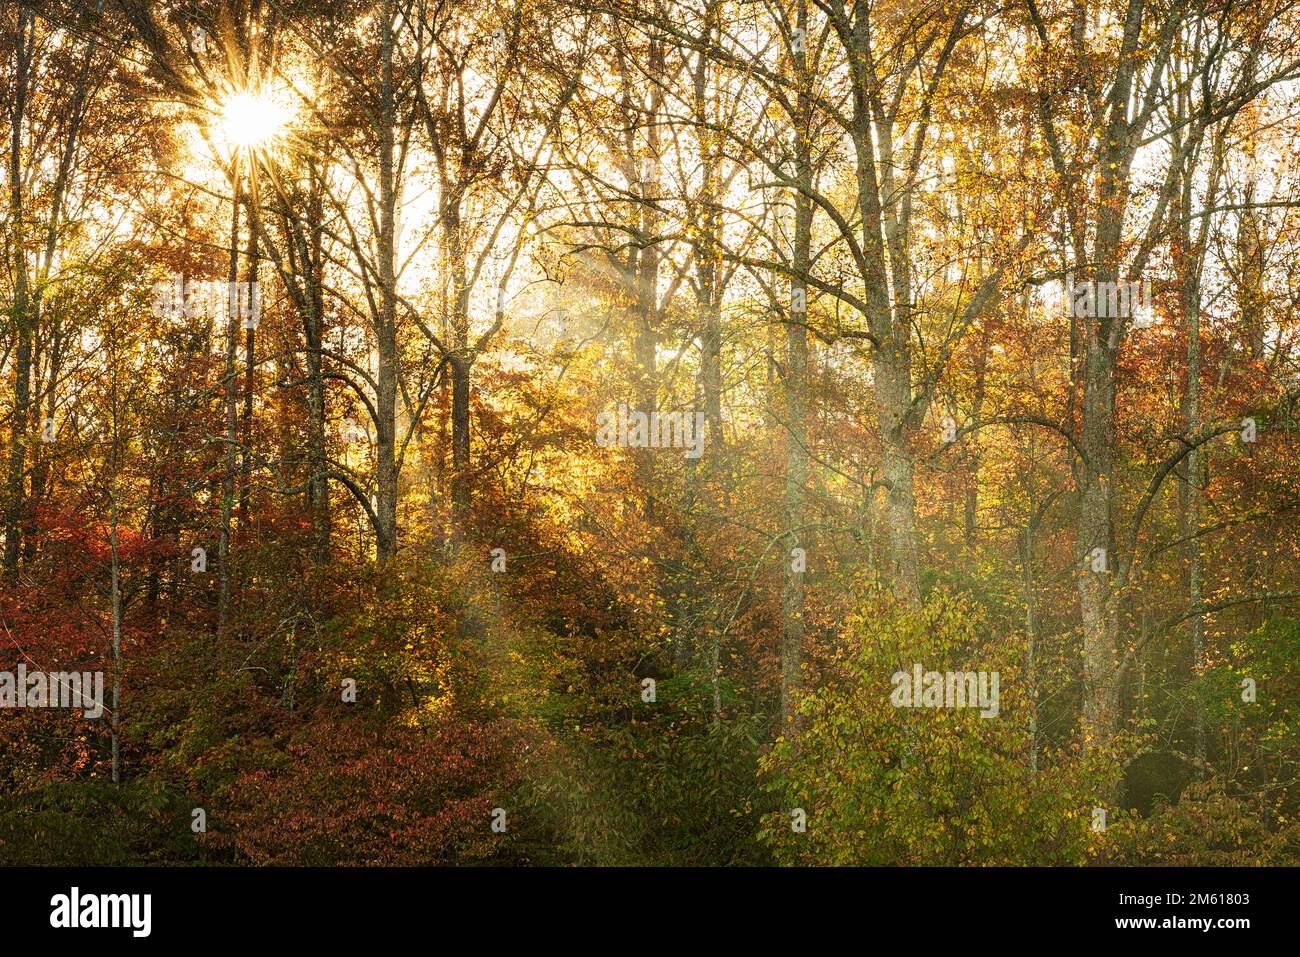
650	432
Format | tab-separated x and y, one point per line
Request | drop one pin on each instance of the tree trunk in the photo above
231	394
891	355
318	493
1095	531
386	327
21	424
460	362
795	387
250	365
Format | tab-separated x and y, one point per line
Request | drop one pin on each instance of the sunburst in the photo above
252	119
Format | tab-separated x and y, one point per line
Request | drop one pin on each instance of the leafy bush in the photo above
881	784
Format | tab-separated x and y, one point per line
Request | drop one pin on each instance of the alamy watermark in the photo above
1090	299
55	689
635	429
185	297
919	688
75	909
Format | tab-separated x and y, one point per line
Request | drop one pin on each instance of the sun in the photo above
250	119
